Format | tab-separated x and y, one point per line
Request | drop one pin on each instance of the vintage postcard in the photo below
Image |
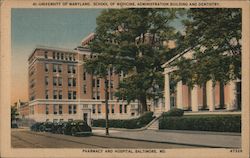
144	78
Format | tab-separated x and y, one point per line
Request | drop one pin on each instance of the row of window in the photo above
96	83
58	94
121	110
58	68
57	81
61	56
58	109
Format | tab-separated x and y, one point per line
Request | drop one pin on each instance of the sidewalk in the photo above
193	138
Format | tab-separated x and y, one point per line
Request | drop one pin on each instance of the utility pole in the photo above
106	105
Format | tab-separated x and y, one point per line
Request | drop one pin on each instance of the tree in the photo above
214	36
14	113
134	39
99	67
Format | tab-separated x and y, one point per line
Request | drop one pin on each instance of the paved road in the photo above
23	138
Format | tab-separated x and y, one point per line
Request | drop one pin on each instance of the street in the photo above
23	138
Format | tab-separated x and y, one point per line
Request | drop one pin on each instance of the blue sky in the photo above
63	28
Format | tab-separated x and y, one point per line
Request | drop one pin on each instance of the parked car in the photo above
14	125
77	128
45	127
35	127
57	127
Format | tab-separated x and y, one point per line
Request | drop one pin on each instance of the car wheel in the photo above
73	131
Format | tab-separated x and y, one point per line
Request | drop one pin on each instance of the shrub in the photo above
173	112
219	123
130	124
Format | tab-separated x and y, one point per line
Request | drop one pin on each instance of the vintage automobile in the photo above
35	127
57	127
14	125
45	127
77	128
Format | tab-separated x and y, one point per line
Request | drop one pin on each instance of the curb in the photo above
200	132
165	142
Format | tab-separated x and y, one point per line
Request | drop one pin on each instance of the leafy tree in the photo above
134	41
214	37
14	113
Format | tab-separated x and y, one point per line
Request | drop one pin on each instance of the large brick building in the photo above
61	89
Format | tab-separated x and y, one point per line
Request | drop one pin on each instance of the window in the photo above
74	82
69	68
46	80
112	108
97	95
84	89
66	56
98	83
93	109
93	83
74	57
125	108
111	83
46	67
120	108
60	94
74	94
60	81
107	83
54	94
74	69
70	82
46	54
57	55
60	109
62	57
69	94
99	108
70	109
54	55
74	109
84	75
54	81
54	67
70	57
47	109
55	109
46	94
59	68
61	120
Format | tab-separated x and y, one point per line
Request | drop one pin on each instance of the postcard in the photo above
143	78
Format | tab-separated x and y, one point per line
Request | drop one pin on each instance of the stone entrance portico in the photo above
191	98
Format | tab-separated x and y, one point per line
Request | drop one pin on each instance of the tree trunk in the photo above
106	105
204	96
222	98
143	102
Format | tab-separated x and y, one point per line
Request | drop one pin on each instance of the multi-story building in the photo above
22	109
61	89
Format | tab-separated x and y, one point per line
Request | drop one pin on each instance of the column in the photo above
210	95
179	95
232	103
194	98
167	92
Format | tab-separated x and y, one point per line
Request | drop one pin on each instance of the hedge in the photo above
130	124
218	123
173	112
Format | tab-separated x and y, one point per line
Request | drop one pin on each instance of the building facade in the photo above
193	99
60	89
